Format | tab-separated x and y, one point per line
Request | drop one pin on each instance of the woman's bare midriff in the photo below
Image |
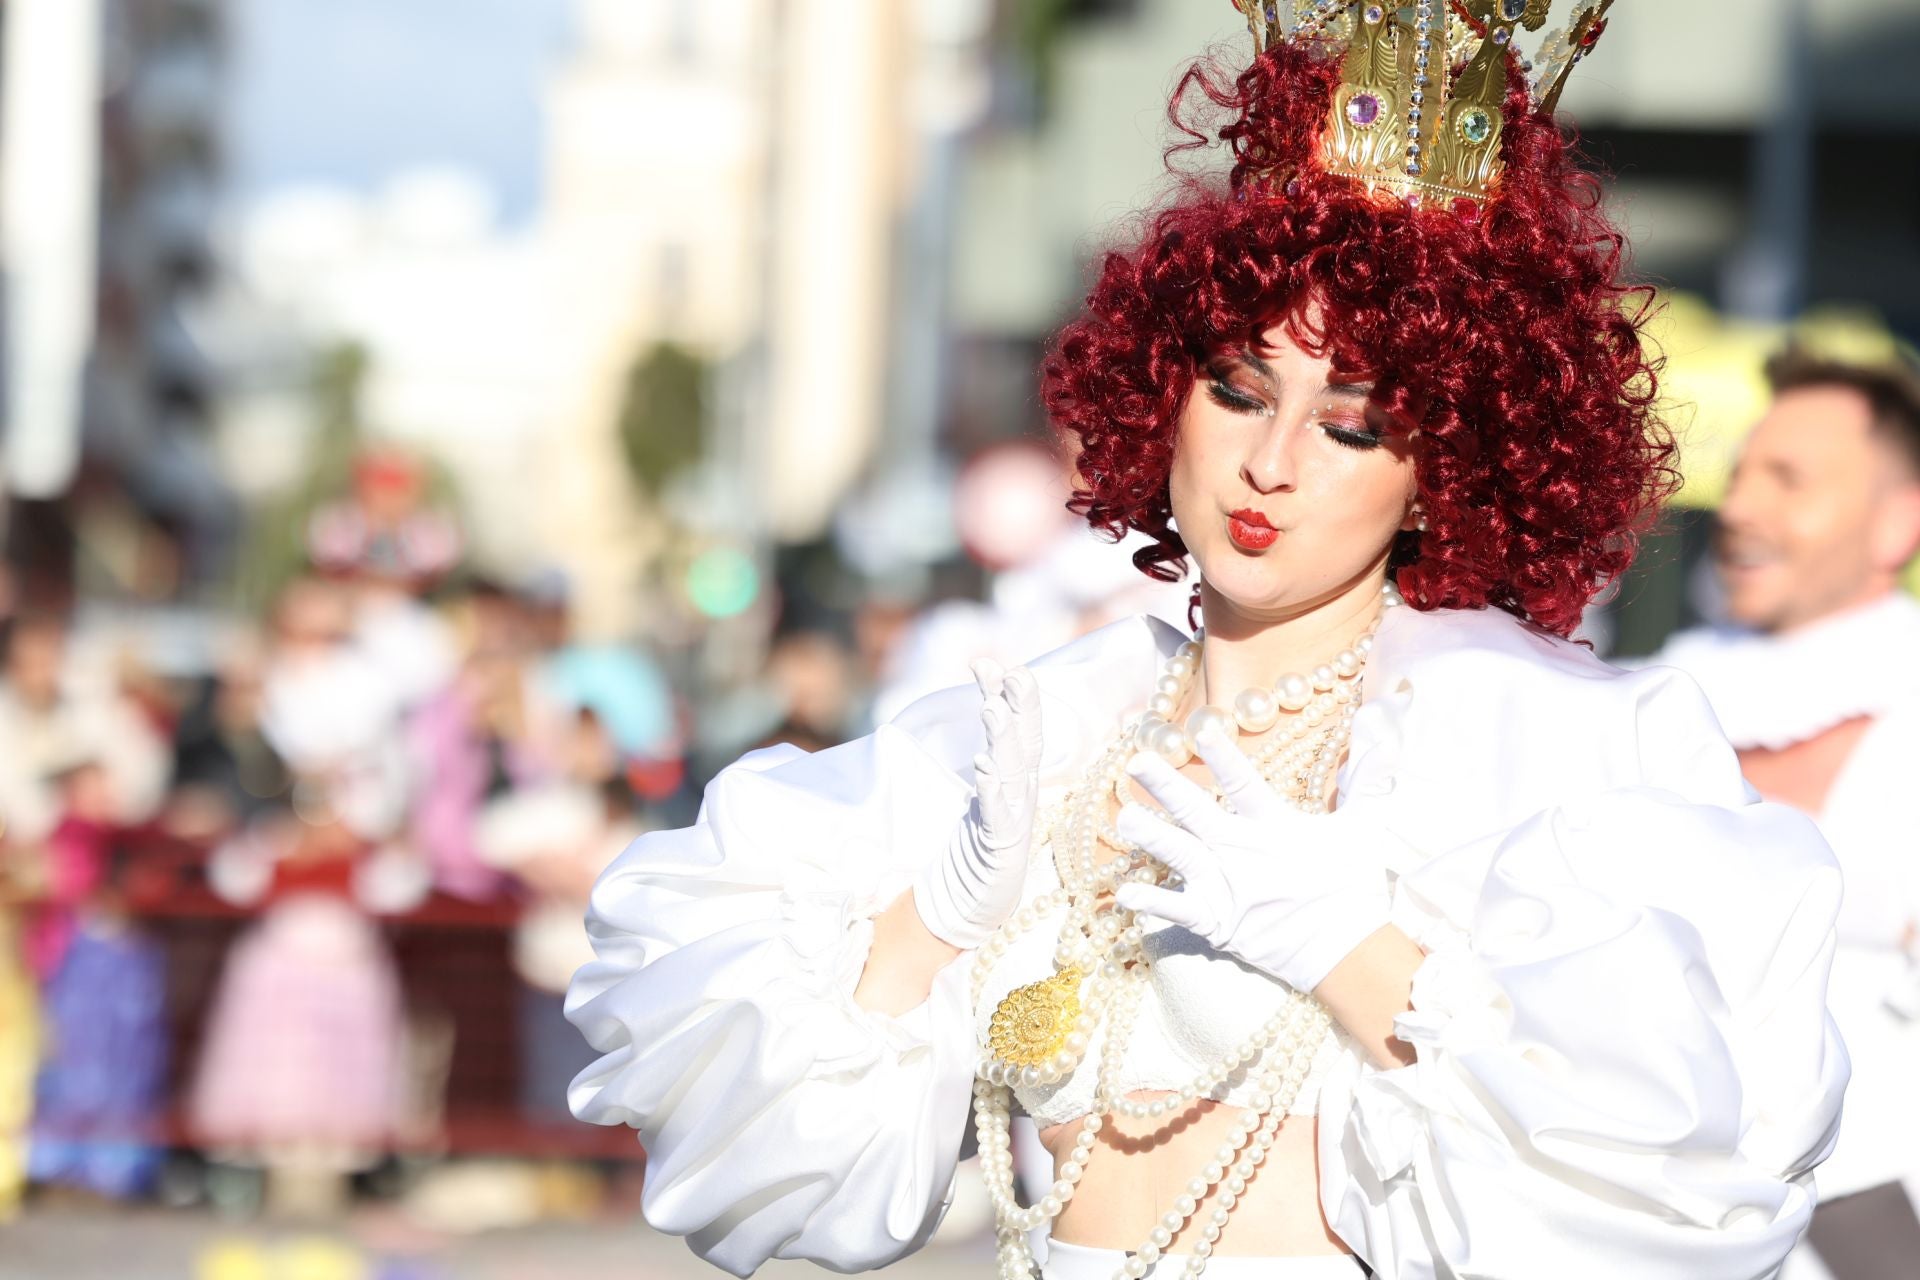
1140	1166
1134	1178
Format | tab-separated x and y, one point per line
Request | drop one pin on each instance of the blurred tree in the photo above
1037	27
663	415
275	551
275	548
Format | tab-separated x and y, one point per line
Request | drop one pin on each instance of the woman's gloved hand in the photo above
1290	893
971	889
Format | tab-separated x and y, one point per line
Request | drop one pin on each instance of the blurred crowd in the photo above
396	738
393	734
398	741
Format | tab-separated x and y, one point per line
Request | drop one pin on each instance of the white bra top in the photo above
1198	1005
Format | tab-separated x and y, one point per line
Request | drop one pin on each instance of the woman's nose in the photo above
1270	466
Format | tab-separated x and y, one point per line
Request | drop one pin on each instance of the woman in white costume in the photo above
1352	936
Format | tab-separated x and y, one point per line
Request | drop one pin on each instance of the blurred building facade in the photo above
506	351
1764	160
862	220
112	161
656	219
736	184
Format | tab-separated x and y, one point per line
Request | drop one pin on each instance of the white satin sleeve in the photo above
780	1119
1624	1064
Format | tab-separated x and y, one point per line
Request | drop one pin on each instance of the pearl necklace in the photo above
1041	1033
1254	710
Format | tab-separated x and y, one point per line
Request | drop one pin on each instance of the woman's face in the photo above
1286	487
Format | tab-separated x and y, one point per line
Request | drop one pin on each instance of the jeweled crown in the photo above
1418	110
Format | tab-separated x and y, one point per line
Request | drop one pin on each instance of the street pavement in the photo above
101	1242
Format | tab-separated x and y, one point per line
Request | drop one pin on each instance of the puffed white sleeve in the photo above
780	1119
1623	1059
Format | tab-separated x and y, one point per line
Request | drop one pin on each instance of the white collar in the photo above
1090	686
1772	691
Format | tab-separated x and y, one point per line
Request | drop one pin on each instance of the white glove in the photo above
1290	893
971	889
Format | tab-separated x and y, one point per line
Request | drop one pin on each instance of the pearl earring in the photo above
1420	519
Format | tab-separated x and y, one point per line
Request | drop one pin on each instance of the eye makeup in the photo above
1236	385
1243	395
1347	425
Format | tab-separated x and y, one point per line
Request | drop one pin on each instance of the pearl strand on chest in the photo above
1041	1033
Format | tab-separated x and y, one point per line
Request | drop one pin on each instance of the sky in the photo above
352	92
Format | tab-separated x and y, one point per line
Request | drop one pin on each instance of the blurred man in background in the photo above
1816	683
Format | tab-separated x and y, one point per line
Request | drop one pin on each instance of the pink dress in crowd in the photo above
302	1055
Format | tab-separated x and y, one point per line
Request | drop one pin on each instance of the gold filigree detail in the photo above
1580	38
1366	130
1265	30
1424	123
1032	1023
1465	154
1488	13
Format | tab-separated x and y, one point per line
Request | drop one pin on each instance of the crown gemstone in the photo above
1386	88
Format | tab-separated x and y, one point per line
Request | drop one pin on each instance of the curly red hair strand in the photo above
1506	336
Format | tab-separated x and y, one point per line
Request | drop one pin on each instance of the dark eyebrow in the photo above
1335	387
1261	367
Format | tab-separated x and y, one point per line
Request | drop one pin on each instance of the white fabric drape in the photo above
1624	1066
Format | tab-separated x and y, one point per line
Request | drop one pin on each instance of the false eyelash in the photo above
1349	439
1231	400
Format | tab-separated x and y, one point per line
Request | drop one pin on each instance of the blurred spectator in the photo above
100	1088
225	772
79	763
622	686
404	638
332	713
555	839
301	1067
1053	578
812	677
385	528
492	730
19	1047
1814	681
51	714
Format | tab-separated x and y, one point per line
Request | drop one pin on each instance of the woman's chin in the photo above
1260	592
1259	587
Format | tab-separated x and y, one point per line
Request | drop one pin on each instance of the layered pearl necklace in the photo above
1040	1033
1254	710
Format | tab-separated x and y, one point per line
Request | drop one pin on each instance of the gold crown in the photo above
1417	111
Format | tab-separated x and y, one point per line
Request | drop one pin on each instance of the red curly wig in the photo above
1506	336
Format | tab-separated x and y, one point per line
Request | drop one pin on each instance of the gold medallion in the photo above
1032	1023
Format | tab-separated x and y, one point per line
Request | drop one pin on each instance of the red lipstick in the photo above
1251	531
